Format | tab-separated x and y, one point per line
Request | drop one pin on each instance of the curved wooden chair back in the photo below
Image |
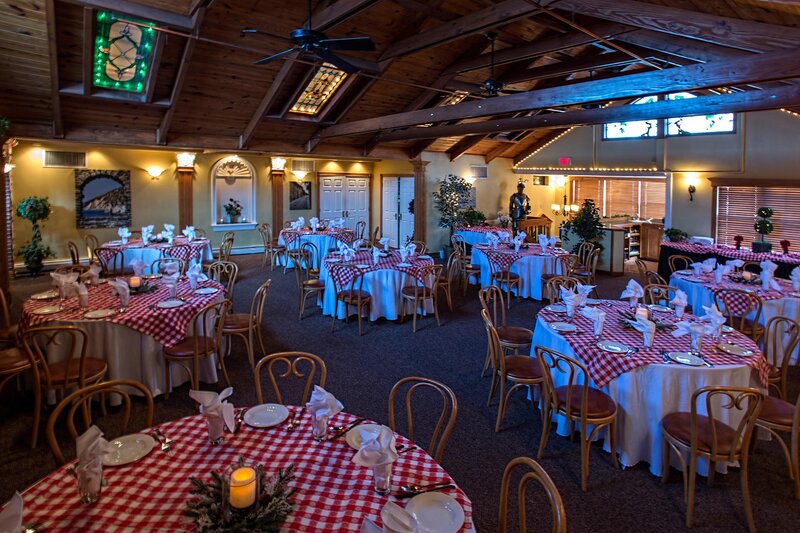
112	263
538	475
265	230
74	254
591	265
310	256
224	272
70	340
453	267
584	251
208	322
447	417
496	352
554	285
79	269
228	235
294	363
659	294
361	228
82	398
780	340
654	278
641	268
727	299
679	262
711	401
491	298
459	243
200	234
259	301
158	266
92	243
376	234
421	247
5	310
427	278
225	249
550	362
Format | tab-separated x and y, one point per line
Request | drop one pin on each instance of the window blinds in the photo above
623	196
737	206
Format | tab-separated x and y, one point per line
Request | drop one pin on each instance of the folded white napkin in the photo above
493	240
169	232
171	283
83	296
195	275
358	243
92	275
298	224
552	241
544	242
147	231
646	327
697	268
189	232
715	319
583	292
124	234
709	265
697	330
518	240
734	263
120	288
314	222
169	269
218	413
720	271
397	520
597	317
63	282
795	277
376	254
570	299
679	302
504	236
323	404
403	251
138	266
91	448
11	515
384	241
70	289
768	276
412	249
633	291
376	448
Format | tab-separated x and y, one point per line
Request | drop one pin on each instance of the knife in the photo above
346	429
404	495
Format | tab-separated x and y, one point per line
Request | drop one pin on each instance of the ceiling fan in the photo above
492	86
315	43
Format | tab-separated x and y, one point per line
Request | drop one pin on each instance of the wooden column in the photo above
420	200
5	230
277	177
185	197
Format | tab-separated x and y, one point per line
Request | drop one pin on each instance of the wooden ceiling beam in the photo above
568	67
55	97
461	147
127	7
338	12
784	96
765	67
88	49
265	104
682	47
497	151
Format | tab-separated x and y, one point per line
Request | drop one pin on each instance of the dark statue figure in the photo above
519	207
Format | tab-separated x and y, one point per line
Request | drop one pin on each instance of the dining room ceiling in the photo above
423	87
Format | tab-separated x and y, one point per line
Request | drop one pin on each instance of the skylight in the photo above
321	87
122	52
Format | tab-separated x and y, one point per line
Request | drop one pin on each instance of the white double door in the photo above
397	220
344	197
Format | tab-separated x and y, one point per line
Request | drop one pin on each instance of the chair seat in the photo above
679	426
185	348
13	360
471	267
505	275
776	411
92	369
237	321
515	335
314	283
8	334
598	403
354	296
522	367
421	291
580	273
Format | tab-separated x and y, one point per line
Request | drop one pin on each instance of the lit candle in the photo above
135	282
747	275
243	487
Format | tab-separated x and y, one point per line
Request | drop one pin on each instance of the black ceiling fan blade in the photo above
275	56
253	31
333	59
354	44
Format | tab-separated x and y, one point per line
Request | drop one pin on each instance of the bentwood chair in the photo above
307	283
577	402
654	278
421	247
460	244
361	228
539	475
76	369
376	234
584	253
780	340
200	233
679	262
348	285
587	274
468	269
555	284
751	266
425	287
228	236
203	343
705	436
512	338
225	249
293	252
247	326
447	416
565	264
779	416
71	269
503	276
731	301
298	365
160	266
312	258
92	244
520	370
112	262
451	272
272	249
82	398
641	268
224	273
659	294
8	331
74	254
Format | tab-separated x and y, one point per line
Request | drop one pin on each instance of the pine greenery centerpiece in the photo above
587	225
34	209
453	193
764	227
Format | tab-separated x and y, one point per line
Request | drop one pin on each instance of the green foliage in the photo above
765	212
473	217
675	234
586	224
233	208
763	225
3	125
453	192
34	209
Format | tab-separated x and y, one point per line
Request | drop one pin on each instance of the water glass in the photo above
216	429
319	427
697	342
382	478
89	485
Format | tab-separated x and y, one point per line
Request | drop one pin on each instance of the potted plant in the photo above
34	209
587	225
233	209
503	219
473	217
764	227
675	235
452	194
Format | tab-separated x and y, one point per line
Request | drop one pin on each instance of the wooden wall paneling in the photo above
277	177
185	198
58	125
420	200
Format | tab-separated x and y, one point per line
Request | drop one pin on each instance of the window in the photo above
122	52
633	129
321	87
233	181
737	206
645	198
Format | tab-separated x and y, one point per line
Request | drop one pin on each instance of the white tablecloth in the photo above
645	395
476	237
322	241
148	254
530	268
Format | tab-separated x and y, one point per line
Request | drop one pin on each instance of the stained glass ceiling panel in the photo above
321	87
122	52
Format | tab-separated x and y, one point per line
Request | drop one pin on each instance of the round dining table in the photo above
132	340
332	493
323	240
646	385
477	234
530	263
194	251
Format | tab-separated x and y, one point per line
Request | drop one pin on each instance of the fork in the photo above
167	444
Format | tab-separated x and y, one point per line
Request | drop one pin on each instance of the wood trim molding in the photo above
185	198
744	182
420	200
277	177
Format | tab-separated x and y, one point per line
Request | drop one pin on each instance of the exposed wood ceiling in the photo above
204	91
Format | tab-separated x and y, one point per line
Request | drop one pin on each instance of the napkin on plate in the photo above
597	316
376	254
323	404
120	288
518	240
218	413
493	240
195	275
633	291
171	283
169	232
679	303
720	271
92	275
124	234
412	249
697	330
544	242
313	222
709	265
795	277
147	231
646	327
504	236
552	241
65	283
570	299
583	292
397	520
715	319
697	268
91	448
83	296
734	263
11	515
171	268
384	241
768	276
138	266
347	252
189	232
376	448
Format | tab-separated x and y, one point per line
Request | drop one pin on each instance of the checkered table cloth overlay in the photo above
484	229
792	258
167	326
343	276
333	494
180	248
503	257
604	367
346	236
738	303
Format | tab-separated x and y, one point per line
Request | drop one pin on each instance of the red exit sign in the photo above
565	161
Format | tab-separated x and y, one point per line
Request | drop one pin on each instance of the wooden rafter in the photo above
127	7
338	12
569	66
88	49
680	46
497	151
265	104
58	125
461	147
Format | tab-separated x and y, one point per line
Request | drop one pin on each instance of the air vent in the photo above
480	172
57	159
303	165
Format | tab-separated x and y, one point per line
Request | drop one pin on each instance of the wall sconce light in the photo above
8	167
278	163
185	160
470	180
691	180
299	174
692	190
560	181
155	172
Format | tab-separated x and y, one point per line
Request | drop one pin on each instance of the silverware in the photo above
410	494
347	428
239	419
71	471
417	488
166	444
296	420
404	450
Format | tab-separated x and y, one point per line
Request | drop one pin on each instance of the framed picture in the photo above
102	198
299	195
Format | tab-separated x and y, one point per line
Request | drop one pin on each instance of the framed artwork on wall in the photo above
299	195
102	198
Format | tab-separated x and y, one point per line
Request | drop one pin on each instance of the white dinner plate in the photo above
557	308
114	243
593	301
425	257
362	266
129	449
169	304
403	264
99	313
733	349
662	308
563	326
436	513
266	415
47	310
687	272
612	347
353	437
206	290
727	329
685	358
47	295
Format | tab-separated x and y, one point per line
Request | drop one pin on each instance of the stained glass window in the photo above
122	52
719	123
635	128
321	87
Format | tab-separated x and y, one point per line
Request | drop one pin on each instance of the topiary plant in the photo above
473	217
34	209
453	192
586	224
675	234
764	227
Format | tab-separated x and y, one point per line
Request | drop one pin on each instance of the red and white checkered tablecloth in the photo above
604	367
332	493
343	276
738	303
180	248
167	326
346	236
503	257
484	229
792	258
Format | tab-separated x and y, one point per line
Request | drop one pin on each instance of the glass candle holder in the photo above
319	427
241	487
382	478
